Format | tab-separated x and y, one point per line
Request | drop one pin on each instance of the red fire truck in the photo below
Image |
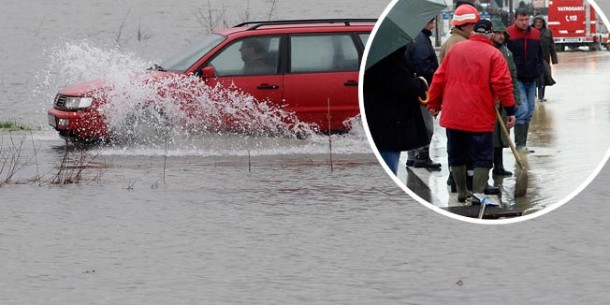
573	23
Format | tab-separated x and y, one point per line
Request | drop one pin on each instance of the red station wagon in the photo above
302	66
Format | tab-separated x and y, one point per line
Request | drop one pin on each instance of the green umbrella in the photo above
401	24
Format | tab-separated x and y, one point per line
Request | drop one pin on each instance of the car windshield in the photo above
187	57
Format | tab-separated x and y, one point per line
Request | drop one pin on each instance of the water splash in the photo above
74	62
153	106
149	111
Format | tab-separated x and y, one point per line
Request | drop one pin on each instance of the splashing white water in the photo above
179	105
75	62
154	110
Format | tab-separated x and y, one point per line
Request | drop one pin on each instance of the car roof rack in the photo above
257	24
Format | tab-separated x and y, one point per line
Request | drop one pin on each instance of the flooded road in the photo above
570	134
254	220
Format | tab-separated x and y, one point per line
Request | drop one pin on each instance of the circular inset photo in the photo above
486	112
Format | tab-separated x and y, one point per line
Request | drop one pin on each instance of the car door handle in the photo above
267	87
351	83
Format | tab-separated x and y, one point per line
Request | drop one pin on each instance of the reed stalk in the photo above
330	138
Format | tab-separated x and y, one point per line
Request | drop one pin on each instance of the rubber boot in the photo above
411	155
499	169
459	176
451	182
489	189
423	160
541	94
479	183
525	133
526	129
519	136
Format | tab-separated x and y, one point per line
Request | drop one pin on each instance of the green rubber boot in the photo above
519	136
525	133
479	183
459	176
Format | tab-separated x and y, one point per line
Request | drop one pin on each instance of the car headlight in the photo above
73	102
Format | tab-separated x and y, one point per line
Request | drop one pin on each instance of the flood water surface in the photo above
213	218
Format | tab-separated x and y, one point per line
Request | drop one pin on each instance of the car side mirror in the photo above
208	72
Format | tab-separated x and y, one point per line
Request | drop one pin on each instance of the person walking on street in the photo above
549	54
500	141
464	89
524	43
391	105
425	62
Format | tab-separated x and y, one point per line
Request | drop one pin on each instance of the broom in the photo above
521	177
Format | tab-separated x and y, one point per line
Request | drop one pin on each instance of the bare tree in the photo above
121	27
272	14
211	18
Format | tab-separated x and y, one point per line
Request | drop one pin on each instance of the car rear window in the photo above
323	53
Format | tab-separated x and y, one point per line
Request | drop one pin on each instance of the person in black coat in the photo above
425	61
391	106
549	54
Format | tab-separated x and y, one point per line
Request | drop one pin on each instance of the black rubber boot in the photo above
499	163
423	160
541	94
451	182
411	156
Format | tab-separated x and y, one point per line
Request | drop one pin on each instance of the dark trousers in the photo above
474	148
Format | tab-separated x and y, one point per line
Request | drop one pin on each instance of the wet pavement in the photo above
569	133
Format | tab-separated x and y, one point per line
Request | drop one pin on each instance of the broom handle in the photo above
507	135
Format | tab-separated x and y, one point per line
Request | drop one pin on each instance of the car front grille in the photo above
60	101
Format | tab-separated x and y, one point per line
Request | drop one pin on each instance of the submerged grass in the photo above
13	126
14	159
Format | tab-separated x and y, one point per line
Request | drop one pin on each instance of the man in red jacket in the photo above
467	83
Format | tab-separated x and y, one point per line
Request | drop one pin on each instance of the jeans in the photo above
391	158
528	102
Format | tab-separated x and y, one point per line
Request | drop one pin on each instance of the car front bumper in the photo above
78	125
